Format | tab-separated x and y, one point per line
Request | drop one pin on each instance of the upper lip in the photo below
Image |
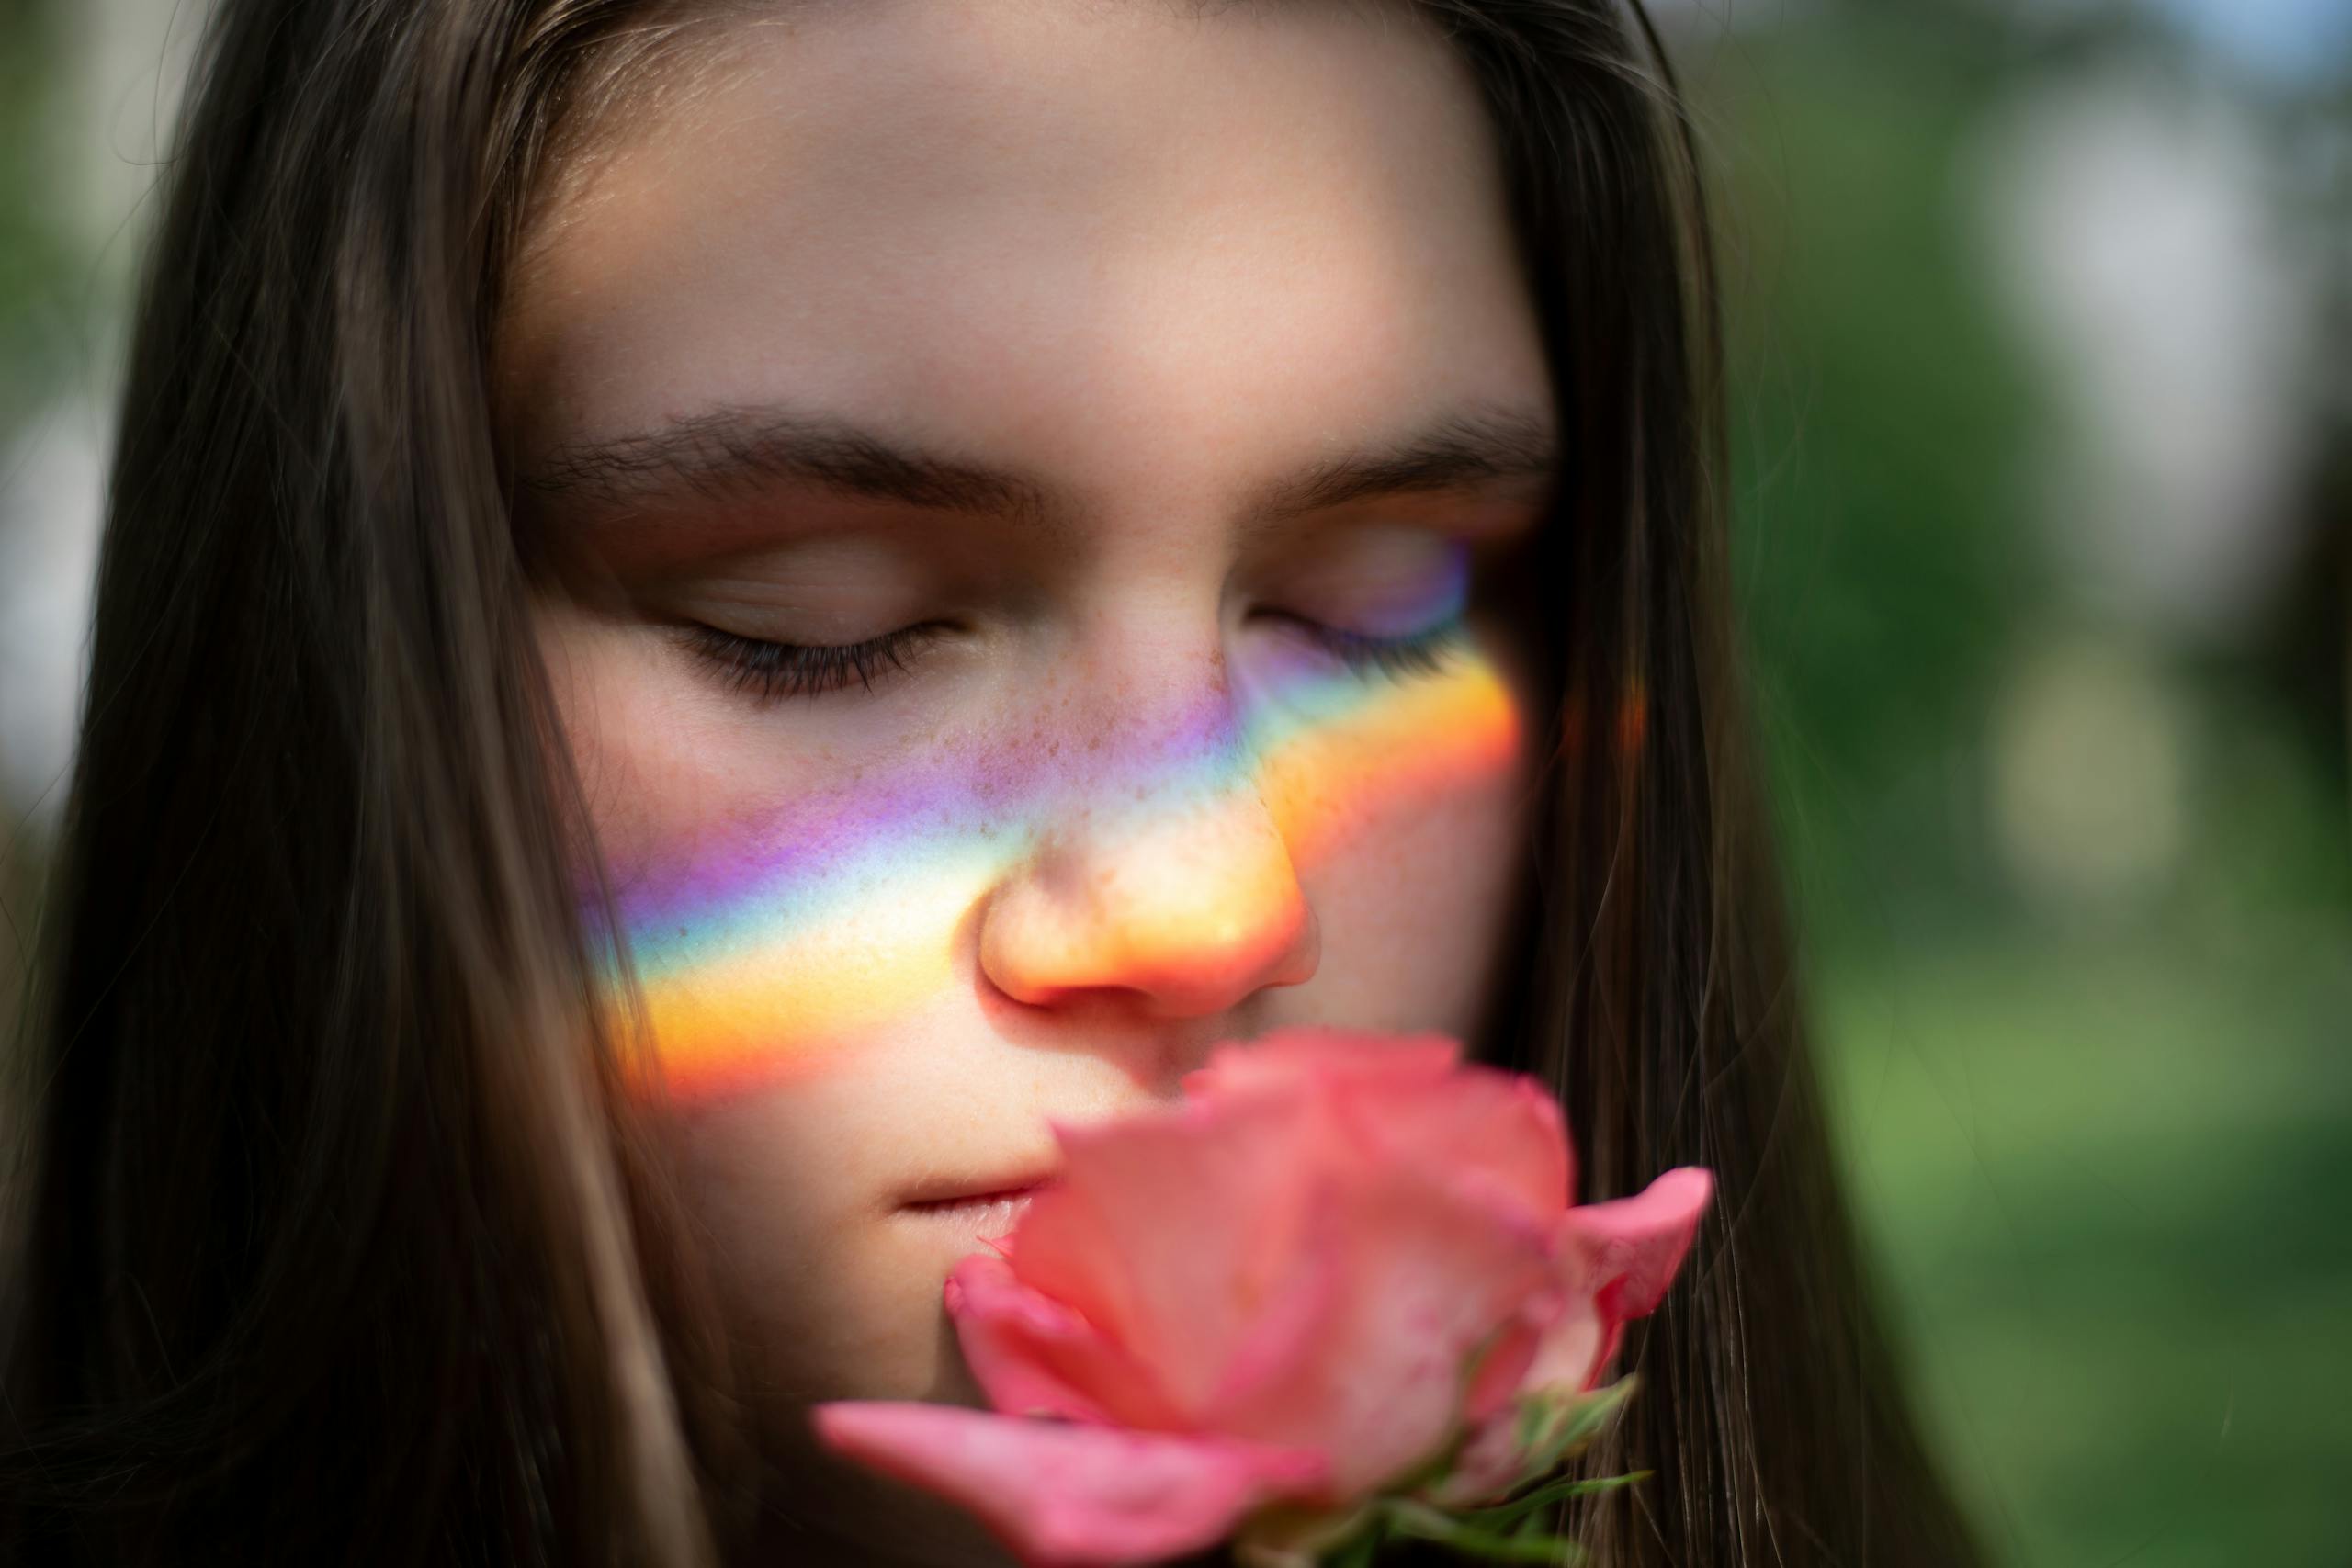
951	1189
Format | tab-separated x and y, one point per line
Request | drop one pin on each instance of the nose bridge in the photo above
1158	868
1163	754
1184	824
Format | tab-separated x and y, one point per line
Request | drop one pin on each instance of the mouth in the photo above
990	1214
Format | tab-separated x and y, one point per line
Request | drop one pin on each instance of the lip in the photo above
982	1190
980	1215
1003	1183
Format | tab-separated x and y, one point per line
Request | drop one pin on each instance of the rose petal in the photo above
1173	1232
1070	1495
1502	1367
1617	1259
1481	1124
1486	1467
1293	1325
1427	1274
1323	1055
1418	1097
1632	1247
1576	1347
1034	1356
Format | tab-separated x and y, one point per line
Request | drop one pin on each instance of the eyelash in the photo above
773	670
1399	658
770	671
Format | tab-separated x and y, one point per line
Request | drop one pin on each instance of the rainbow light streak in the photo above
756	962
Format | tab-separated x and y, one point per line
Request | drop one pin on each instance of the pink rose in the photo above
1345	1266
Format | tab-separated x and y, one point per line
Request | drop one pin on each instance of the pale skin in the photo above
1160	268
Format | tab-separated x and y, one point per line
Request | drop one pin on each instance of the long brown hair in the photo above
338	1238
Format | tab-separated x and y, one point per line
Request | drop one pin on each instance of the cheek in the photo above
775	901
1408	823
782	921
831	1299
1347	761
644	782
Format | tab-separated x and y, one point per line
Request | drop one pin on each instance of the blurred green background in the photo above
2042	403
2044	430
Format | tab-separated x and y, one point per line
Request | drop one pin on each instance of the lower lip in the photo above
992	1216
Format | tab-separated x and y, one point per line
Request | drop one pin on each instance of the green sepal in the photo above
1550	1426
1406	1517
1554	1425
1504	1513
1362	1550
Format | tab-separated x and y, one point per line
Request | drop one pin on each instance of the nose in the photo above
1186	898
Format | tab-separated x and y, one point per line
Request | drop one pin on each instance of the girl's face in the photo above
1030	493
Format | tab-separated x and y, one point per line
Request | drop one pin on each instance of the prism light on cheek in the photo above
1352	755
758	966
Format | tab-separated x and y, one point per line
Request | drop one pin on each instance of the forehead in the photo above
1134	245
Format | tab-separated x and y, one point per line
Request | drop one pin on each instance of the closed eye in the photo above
1400	658
770	671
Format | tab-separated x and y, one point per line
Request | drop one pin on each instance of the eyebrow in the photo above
732	451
